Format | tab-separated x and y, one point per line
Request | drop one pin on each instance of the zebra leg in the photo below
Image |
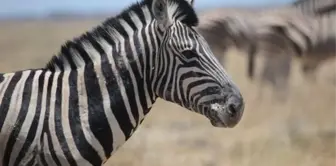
283	75
308	68
268	74
251	61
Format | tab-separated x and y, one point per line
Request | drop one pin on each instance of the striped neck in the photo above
129	41
116	57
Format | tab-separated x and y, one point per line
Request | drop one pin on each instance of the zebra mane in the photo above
67	57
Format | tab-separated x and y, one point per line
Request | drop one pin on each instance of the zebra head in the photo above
187	72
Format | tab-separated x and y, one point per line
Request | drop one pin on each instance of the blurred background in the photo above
297	131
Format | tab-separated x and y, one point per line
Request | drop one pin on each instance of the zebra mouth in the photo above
223	116
218	124
220	116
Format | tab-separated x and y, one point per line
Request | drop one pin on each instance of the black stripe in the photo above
31	161
46	127
42	158
103	32
13	137
175	95
137	73
194	84
84	148
97	118
211	90
305	36
4	106
281	31
32	130
128	84
69	56
1	78
141	17
58	121
81	51
181	90
164	76
130	22
147	52
326	10
153	37
138	51
117	103
252	51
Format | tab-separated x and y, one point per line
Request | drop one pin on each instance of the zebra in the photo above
285	34
279	66
322	52
325	50
255	32
220	34
279	33
95	92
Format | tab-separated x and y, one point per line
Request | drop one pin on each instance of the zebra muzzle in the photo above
228	114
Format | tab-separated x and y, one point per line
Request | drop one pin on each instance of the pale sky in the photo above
41	7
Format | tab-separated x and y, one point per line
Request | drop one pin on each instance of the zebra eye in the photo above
189	54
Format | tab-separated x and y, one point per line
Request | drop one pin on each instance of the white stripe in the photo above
54	139
77	59
38	135
13	112
139	25
84	114
28	119
136	21
4	84
108	49
46	151
117	134
66	122
127	63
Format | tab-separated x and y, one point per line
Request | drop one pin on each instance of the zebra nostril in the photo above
232	111
236	107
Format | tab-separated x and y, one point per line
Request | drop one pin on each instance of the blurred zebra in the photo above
221	34
321	15
277	33
214	29
309	37
325	10
262	32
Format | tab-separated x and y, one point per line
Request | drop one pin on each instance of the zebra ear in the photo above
160	12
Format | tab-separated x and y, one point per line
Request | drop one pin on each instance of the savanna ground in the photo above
298	132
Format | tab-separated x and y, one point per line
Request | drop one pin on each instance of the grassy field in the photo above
299	132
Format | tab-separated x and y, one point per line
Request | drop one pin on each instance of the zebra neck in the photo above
115	65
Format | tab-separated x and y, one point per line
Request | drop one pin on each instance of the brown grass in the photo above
299	132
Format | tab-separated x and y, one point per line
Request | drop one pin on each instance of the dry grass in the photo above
299	132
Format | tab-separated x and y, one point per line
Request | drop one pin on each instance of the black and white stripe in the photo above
90	98
311	37
276	33
319	7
